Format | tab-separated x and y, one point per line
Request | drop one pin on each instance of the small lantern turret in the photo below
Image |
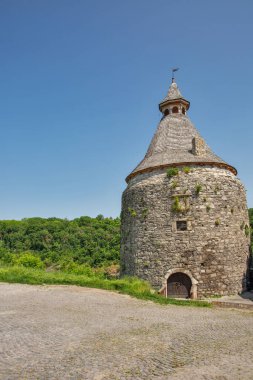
174	101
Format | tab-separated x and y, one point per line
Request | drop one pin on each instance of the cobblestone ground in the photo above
58	332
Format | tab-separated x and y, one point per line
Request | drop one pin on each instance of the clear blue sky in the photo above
80	83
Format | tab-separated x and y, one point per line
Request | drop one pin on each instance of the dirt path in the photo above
60	332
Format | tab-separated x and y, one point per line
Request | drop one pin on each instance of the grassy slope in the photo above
131	286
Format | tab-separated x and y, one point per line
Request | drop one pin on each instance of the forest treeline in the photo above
61	243
55	242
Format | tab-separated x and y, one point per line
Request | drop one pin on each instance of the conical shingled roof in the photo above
173	93
172	144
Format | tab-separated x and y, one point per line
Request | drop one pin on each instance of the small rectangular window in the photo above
181	225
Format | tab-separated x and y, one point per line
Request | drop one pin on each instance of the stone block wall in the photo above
215	247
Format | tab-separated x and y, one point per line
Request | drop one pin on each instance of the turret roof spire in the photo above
173	96
174	92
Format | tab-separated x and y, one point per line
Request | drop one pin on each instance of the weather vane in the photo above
174	69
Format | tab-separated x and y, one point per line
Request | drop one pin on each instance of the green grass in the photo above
171	172
127	285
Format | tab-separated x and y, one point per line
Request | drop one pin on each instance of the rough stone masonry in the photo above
185	225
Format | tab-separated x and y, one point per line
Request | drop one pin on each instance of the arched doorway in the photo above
179	286
180	271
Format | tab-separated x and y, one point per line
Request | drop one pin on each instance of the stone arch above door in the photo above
194	282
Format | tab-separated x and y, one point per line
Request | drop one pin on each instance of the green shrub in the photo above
176	206
247	230
144	213
29	260
171	172
217	222
132	212
7	257
186	169
75	268
174	184
198	188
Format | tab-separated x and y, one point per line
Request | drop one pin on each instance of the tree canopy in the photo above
85	240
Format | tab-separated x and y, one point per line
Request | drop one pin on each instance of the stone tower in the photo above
185	225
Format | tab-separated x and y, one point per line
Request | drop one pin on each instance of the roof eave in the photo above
173	101
204	163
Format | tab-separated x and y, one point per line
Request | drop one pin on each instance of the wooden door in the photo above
179	286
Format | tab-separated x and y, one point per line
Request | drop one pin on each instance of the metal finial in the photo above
174	69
